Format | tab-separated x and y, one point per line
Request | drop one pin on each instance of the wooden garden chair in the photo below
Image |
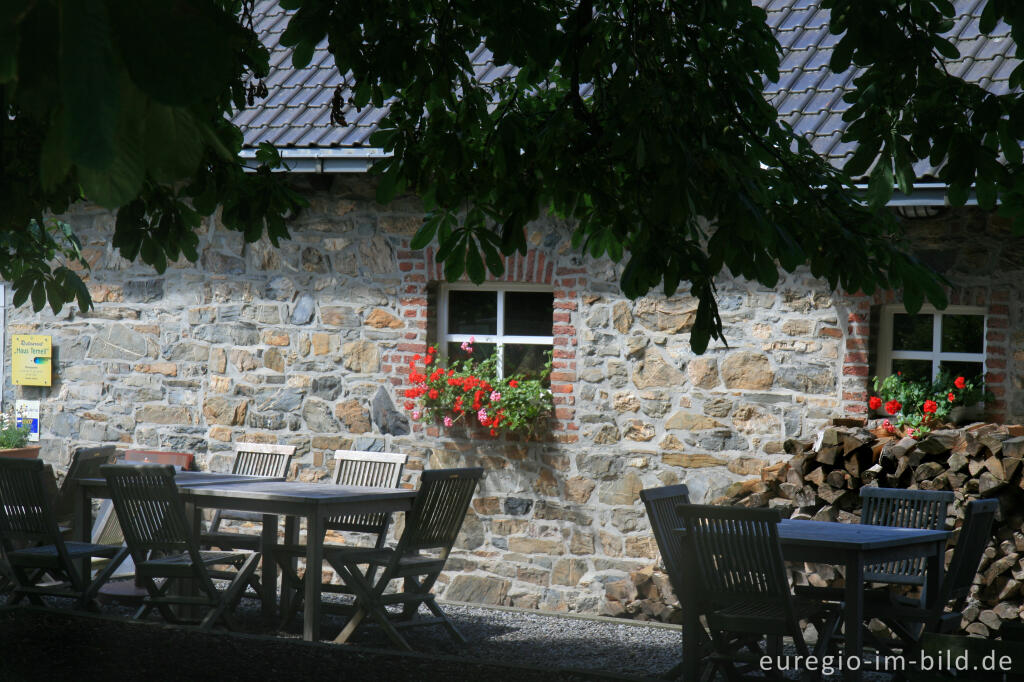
352	467
908	620
661	506
164	548
744	584
33	546
925	509
251	459
432	525
85	463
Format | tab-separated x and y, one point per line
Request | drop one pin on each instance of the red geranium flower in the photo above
893	406
951	398
433	394
960	382
513	383
929	407
409	405
874	402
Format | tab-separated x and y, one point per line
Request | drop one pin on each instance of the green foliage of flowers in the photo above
920	406
12	435
471	392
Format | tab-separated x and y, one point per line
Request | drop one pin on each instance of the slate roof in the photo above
296	112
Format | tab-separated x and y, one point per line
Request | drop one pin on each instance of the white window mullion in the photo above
501	333
936	343
442	321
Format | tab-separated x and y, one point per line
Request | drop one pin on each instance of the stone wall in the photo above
308	345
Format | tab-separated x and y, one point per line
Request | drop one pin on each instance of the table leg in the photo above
691	623
934	568
854	613
188	587
82	521
291	538
268	577
314	568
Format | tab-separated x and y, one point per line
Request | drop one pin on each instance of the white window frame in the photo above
886	354
500	338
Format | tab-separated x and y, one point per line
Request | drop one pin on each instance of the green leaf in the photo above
474	263
957	194
38	295
55	164
945	48
859	163
425	234
303	54
880	184
912	299
172	142
120	182
8	53
455	264
56	295
1009	143
989	18
89	77
390	184
986	192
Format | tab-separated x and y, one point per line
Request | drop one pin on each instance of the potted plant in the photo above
14	439
472	395
967	397
918	407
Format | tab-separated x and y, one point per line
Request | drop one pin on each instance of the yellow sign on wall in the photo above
31	360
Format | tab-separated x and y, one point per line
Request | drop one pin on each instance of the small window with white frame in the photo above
514	319
921	345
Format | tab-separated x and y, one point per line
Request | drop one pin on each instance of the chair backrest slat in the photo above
661	511
26	510
262	459
149	509
439	509
367	469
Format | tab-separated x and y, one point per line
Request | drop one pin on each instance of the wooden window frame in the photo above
499	339
886	354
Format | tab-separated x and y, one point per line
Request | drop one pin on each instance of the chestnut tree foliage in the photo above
643	121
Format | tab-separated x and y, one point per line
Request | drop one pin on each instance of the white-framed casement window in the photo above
922	345
514	319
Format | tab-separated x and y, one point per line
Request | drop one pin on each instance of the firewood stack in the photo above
823	477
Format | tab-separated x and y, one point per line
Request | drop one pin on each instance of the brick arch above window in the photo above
534	268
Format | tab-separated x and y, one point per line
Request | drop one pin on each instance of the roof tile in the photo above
296	112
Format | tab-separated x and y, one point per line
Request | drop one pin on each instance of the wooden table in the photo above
851	545
316	502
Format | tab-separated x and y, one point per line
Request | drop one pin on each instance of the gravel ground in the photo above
39	645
